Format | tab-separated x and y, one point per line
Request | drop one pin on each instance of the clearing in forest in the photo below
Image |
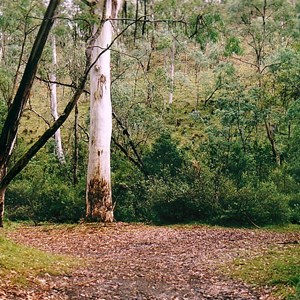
147	262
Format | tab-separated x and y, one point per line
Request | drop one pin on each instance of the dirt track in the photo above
144	262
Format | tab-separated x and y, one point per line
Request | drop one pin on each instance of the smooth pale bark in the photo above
2	194
53	100
76	148
99	203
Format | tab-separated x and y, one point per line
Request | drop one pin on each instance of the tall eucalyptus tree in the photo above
98	194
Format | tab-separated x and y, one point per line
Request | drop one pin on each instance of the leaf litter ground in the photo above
146	262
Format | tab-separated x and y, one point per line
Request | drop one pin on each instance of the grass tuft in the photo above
20	264
278	267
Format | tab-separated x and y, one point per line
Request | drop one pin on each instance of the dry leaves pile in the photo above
145	262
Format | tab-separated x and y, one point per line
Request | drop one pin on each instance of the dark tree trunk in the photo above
12	121
15	111
145	18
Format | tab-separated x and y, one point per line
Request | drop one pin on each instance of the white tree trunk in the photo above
98	195
2	195
53	98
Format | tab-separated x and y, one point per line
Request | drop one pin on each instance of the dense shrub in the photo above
175	190
44	192
164	158
43	200
165	200
259	205
294	204
172	189
132	204
170	201
180	200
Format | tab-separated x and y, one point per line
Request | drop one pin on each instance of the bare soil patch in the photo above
146	262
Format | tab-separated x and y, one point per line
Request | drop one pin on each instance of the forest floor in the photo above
146	262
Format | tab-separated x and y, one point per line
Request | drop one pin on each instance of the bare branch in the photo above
24	160
36	113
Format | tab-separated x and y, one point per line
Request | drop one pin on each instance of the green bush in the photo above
132	204
163	198
43	200
128	189
255	205
171	201
164	157
294	204
43	192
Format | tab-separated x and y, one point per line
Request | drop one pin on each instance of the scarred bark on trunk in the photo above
99	203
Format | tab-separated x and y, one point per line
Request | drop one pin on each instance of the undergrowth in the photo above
279	268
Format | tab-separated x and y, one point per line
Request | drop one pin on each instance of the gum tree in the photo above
98	194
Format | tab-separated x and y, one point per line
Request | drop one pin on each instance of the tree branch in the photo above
125	131
24	160
16	109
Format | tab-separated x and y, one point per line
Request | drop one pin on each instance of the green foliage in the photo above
255	205
176	191
44	200
44	193
3	110
5	85
164	158
233	46
206	28
294	204
188	197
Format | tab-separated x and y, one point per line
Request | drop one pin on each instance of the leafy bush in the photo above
171	202
43	192
255	205
166	199
177	200
294	204
164	158
132	204
43	200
